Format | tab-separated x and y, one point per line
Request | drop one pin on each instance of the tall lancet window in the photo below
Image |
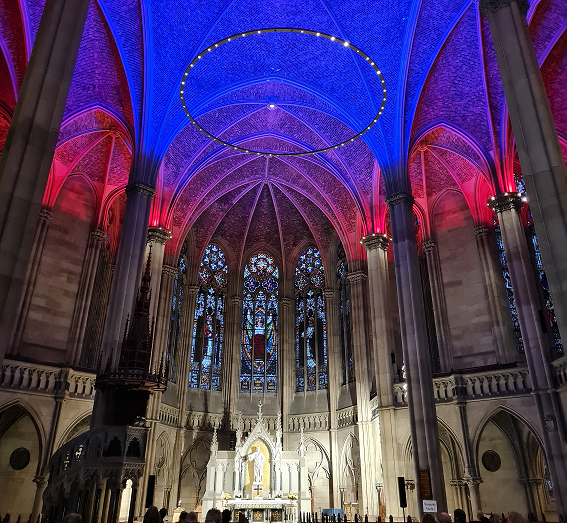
208	321
310	323
175	319
345	336
259	352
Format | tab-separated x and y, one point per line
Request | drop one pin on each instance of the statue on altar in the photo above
258	459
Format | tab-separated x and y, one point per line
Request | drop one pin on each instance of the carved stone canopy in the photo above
491	6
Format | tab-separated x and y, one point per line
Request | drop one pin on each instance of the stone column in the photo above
128	270
541	158
84	294
125	282
41	484
439	306
234	352
28	152
163	318
333	361
377	259
358	285
502	331
287	358
536	344
90	502
421	404
156	240
29	281
472	476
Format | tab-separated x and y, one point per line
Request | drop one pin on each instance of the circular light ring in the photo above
339	41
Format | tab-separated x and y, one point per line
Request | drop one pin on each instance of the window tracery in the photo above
345	333
208	321
310	323
259	347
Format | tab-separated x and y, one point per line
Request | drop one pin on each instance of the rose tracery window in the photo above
259	348
208	321
310	323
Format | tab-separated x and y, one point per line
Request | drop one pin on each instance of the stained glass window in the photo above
310	323
208	321
259	350
175	318
345	335
547	300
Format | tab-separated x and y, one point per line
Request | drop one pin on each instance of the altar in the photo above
258	476
262	510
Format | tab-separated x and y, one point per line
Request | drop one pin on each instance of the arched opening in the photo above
20	454
512	467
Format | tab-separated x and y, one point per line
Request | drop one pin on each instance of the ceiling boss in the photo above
339	41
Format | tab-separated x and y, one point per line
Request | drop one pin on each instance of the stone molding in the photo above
329	294
158	235
505	202
236	299
285	301
356	276
482	231
491	6
141	188
45	215
193	290
399	198
375	241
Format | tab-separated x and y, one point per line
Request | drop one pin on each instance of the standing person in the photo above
226	516
460	516
192	517
152	515
213	516
162	514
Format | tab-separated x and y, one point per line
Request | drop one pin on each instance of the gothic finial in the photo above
214	442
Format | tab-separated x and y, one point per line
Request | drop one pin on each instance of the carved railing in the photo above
168	415
347	416
308	422
474	385
31	377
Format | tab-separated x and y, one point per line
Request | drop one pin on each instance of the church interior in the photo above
281	257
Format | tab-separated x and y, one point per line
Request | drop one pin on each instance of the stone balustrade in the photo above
505	381
168	415
308	422
34	378
347	416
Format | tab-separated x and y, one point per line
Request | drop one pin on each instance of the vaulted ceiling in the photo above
445	121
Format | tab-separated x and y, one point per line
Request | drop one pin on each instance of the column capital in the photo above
491	6
45	215
158	235
482	231
356	276
168	270
399	198
285	301
429	245
473	481
506	202
40	481
97	234
329	294
375	241
236	299
140	187
193	290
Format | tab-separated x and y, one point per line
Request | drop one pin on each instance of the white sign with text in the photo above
430	505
